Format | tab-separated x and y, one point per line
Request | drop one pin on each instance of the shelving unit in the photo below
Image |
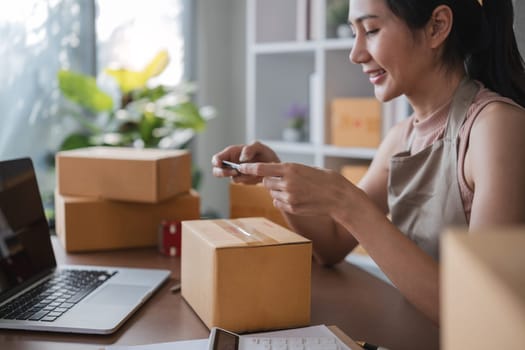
293	57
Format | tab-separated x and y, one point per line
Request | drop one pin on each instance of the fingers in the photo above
263	169
230	153
257	152
224	172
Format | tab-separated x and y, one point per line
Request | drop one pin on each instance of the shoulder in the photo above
492	110
488	102
489	108
497	133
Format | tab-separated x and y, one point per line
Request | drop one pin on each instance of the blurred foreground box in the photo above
483	289
121	173
246	274
88	224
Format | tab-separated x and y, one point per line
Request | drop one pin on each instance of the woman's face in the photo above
394	58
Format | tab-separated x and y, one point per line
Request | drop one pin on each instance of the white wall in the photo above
220	73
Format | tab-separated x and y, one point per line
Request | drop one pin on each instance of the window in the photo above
42	36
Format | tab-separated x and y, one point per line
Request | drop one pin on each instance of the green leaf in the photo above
196	177
148	123
152	94
188	116
74	141
83	89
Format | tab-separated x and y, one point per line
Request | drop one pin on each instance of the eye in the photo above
352	31
371	32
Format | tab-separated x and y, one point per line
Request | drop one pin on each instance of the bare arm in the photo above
495	166
353	213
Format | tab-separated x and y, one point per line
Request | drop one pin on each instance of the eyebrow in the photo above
363	18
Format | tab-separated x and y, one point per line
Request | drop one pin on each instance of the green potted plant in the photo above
137	115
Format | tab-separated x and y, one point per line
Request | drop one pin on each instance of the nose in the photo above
359	53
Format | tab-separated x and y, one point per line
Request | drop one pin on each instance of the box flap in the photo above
126	153
243	232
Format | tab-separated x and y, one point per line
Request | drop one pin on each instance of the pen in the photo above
368	346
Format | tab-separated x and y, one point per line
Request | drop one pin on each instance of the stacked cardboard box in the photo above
110	197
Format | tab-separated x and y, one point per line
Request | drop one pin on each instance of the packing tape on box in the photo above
249	235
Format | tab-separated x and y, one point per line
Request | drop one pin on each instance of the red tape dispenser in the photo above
170	237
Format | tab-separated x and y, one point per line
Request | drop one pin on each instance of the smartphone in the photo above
231	165
221	339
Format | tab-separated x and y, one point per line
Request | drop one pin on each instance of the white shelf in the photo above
294	46
291	147
347	152
284	66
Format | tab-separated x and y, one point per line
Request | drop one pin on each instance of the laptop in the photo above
35	293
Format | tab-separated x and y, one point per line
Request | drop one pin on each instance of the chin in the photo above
384	94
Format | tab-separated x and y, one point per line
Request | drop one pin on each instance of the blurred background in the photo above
206	43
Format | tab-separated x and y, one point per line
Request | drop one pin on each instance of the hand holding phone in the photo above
231	165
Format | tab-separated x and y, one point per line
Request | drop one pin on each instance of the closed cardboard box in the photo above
252	201
246	274
483	289
356	122
136	175
88	223
354	173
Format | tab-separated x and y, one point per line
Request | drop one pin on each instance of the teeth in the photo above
377	73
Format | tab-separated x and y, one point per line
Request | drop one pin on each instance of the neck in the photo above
434	92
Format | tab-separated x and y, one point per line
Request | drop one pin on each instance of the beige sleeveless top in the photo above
428	131
423	191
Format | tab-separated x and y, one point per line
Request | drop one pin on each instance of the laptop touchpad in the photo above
118	294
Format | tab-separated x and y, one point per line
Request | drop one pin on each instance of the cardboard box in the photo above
88	223
483	289
354	173
246	274
252	201
356	122
136	175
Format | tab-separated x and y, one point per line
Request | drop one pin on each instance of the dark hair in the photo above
482	38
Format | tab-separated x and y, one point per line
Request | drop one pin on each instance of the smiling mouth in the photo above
376	73
376	76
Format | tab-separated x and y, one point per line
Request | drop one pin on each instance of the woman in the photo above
456	161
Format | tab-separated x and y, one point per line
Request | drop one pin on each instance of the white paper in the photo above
202	344
198	344
312	331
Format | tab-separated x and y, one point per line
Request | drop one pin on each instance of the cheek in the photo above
393	55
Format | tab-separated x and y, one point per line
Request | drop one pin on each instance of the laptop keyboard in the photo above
292	343
50	299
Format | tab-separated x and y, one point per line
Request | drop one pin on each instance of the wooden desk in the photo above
361	305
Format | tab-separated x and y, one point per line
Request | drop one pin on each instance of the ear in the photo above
439	26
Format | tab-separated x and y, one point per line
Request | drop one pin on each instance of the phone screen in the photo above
225	340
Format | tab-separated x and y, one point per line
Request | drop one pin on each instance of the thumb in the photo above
247	154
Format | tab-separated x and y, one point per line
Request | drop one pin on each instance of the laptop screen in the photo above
25	246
